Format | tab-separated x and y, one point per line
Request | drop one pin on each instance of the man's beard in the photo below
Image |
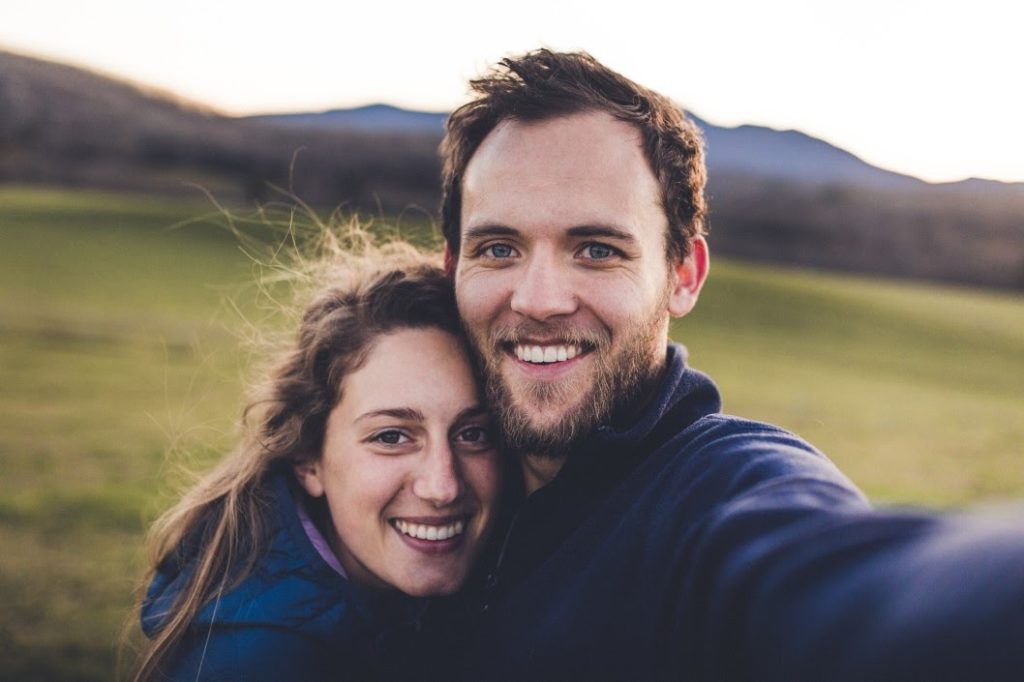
618	380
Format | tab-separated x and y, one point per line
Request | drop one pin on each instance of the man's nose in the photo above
543	289
437	479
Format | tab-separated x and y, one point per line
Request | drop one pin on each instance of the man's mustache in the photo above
530	331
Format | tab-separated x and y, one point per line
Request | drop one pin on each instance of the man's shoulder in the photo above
731	422
735	439
721	457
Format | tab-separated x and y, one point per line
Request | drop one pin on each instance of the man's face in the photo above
562	277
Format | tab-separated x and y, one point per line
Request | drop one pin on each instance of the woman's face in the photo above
409	466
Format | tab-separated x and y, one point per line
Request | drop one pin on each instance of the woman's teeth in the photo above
546	354
423	531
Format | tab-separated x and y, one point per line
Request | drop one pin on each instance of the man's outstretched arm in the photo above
788	588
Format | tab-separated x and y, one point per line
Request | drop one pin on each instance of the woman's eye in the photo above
500	251
598	251
390	437
474	435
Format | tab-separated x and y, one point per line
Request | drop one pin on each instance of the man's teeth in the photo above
423	531
546	354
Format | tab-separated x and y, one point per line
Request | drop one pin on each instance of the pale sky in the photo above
927	88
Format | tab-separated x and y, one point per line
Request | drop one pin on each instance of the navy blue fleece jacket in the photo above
687	544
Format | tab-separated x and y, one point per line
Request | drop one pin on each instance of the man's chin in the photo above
543	422
543	429
546	408
546	418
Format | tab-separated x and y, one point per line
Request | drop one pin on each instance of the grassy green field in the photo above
115	352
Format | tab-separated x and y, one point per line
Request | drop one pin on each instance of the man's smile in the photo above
546	354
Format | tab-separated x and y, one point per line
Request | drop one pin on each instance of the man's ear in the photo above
688	278
449	262
308	476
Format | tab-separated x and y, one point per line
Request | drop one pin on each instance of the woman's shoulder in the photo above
290	587
292	610
251	653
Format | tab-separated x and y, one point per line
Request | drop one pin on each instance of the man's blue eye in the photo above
599	251
500	251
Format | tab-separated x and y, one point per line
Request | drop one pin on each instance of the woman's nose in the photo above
437	479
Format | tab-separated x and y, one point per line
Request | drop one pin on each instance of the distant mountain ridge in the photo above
372	118
775	196
69	126
792	155
750	149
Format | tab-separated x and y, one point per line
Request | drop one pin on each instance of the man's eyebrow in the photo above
484	231
605	231
406	413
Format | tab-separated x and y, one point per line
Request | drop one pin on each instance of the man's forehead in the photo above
578	136
582	169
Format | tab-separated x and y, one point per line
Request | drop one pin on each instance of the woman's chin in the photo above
428	583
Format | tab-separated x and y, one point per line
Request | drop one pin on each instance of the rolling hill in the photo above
776	196
71	127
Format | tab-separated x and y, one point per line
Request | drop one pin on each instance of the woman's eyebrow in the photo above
471	412
406	413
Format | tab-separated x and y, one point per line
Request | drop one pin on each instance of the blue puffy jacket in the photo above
294	618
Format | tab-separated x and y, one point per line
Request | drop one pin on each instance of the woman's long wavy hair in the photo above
221	527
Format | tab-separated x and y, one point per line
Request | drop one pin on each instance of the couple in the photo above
640	533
